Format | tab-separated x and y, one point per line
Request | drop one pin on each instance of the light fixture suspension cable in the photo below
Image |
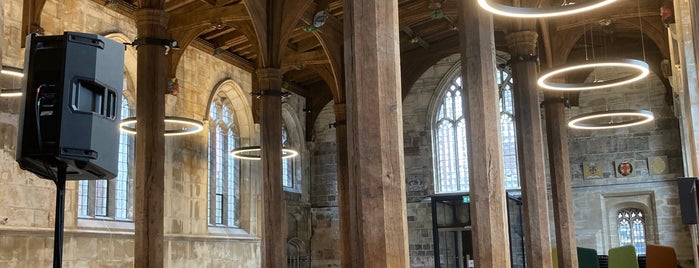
640	26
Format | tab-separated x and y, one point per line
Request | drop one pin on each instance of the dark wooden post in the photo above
488	209
375	133
274	209
530	149
557	136
150	141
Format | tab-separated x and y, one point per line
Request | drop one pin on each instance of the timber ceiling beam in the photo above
331	39
31	17
207	17
417	61
174	6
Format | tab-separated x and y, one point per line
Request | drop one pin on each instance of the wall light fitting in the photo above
639	67
541	12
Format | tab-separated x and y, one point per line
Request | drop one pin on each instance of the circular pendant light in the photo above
254	153
10	92
541	12
12	71
638	68
186	126
611	119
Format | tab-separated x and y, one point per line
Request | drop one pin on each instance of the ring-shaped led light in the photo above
640	68
254	153
586	121
193	126
541	12
10	92
13	71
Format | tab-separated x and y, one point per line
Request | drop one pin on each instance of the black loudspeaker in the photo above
688	199
71	105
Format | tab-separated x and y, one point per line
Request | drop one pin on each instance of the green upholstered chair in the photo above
623	257
587	258
658	256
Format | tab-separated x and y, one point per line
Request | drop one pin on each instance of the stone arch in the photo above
231	91
613	203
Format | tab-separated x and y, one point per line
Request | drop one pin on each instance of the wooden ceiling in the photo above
427	34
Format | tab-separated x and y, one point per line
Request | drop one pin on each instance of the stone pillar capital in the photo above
522	43
269	79
151	18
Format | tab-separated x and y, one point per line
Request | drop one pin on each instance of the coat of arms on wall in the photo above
657	165
592	170
624	168
415	185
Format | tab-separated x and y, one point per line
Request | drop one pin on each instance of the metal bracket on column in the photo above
271	92
565	101
336	123
167	43
525	58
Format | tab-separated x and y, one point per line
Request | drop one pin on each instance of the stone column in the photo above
530	148
150	140
375	133
488	202
559	163
348	213
273	208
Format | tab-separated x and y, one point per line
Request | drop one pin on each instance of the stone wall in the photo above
325	222
27	207
654	150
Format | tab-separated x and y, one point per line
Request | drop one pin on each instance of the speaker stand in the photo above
60	213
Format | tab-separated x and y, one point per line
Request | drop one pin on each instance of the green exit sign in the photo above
466	199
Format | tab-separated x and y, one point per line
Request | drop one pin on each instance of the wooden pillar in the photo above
2	32
530	149
273	208
488	208
348	219
557	136
375	133
150	141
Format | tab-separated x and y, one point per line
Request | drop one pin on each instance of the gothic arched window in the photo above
113	198
450	136
224	170
632	229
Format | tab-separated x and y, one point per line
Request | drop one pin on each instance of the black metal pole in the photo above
60	211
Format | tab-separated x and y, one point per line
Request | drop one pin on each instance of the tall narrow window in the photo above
450	136
111	199
631	229
224	170
508	137
287	163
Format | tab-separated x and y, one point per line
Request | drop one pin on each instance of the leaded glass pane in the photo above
122	179
83	189
632	229
450	137
101	198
